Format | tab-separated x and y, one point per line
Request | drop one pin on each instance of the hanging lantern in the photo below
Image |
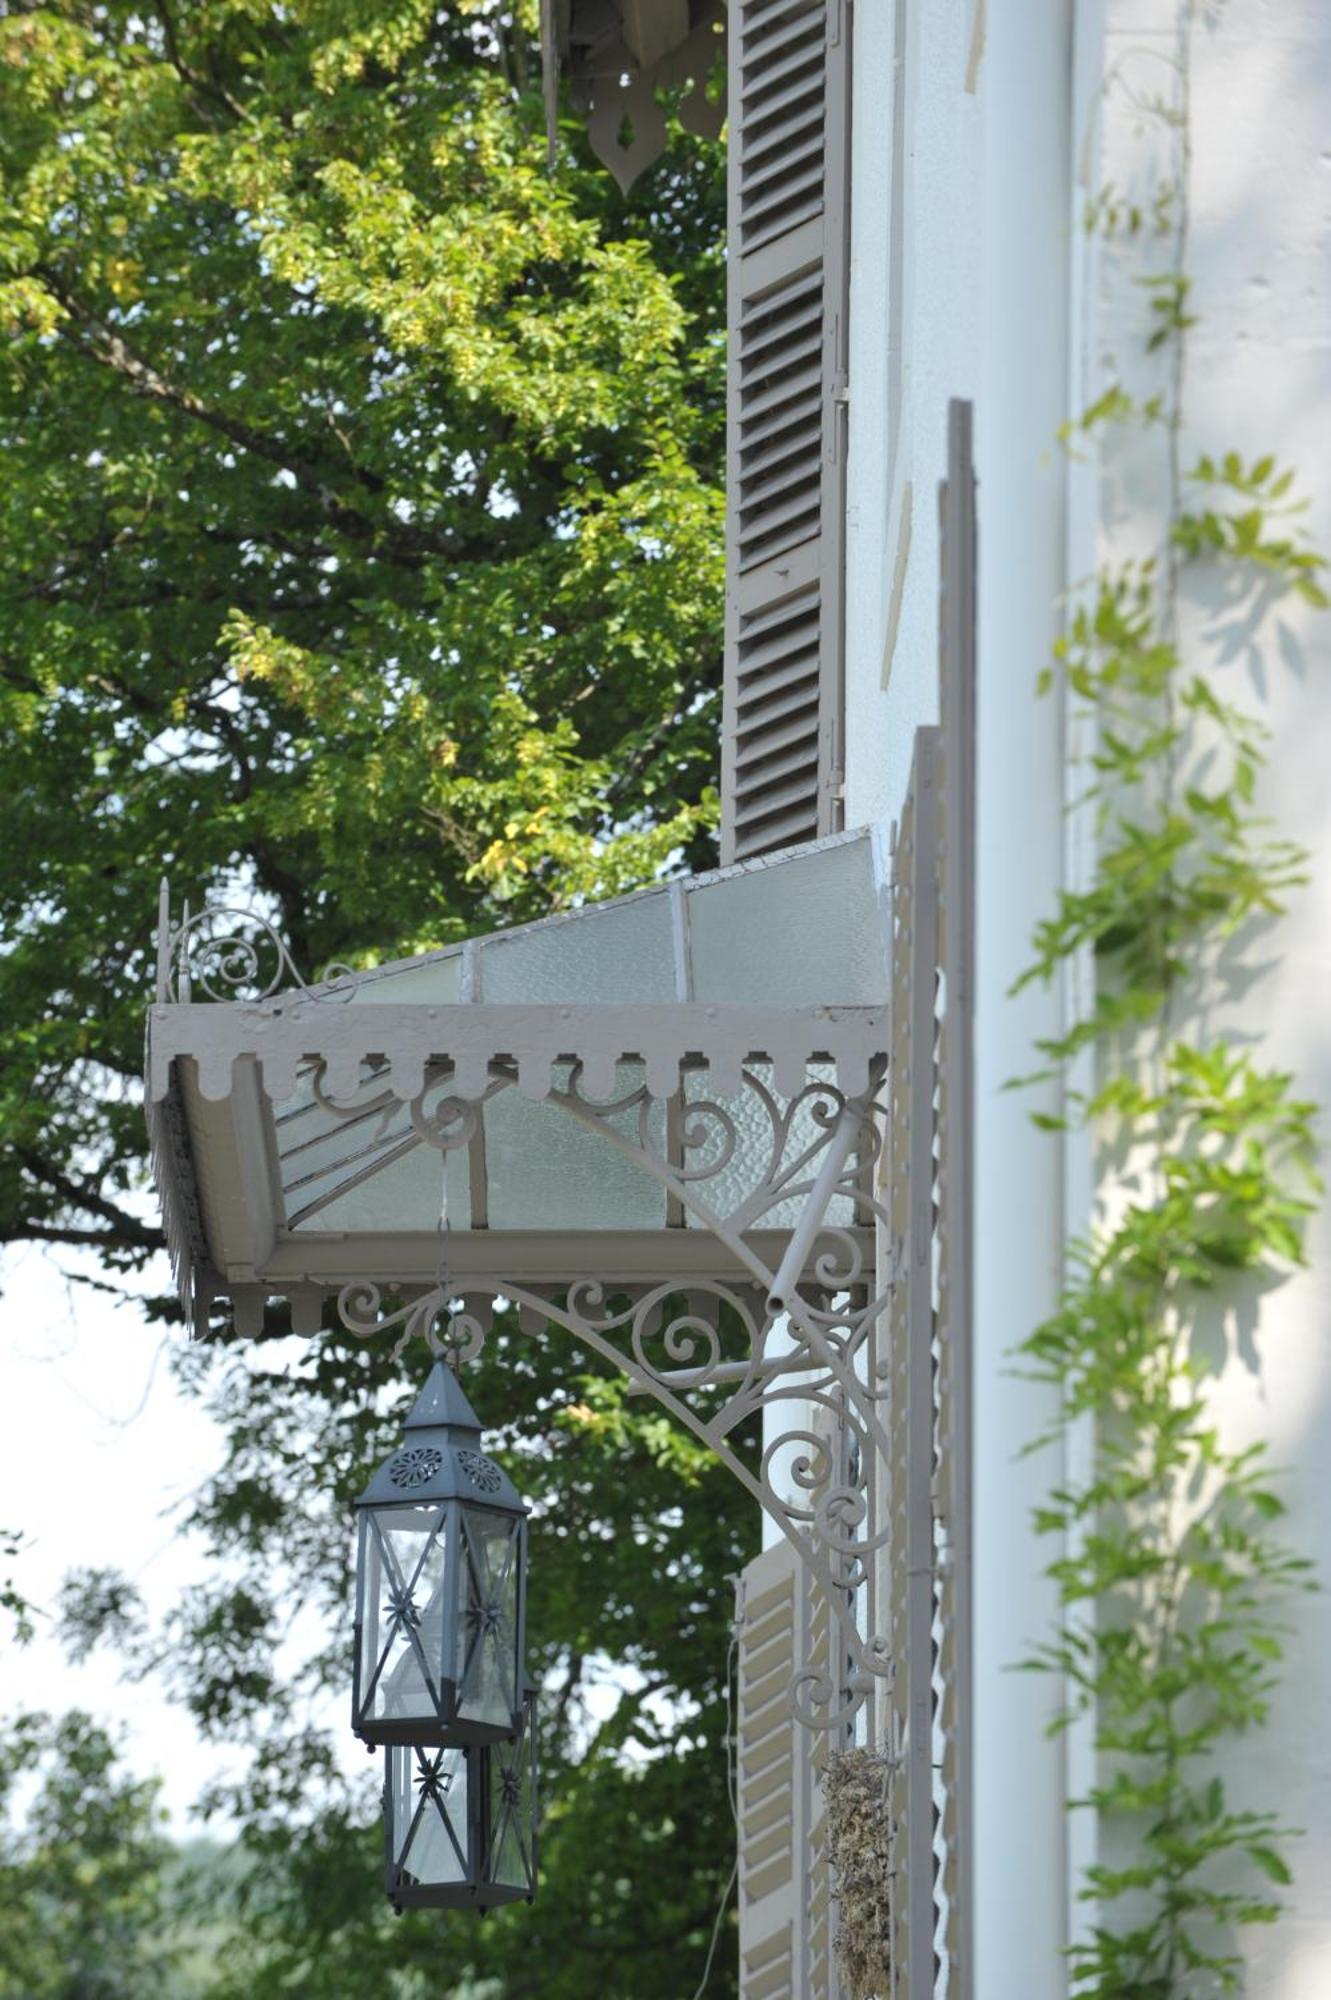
460	1822
440	1585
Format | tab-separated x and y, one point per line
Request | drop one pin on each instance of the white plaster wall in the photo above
960	287
914	279
1259	379
953	294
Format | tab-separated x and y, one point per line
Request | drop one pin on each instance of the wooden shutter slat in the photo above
784	90
799	743
790	187
791	98
775	637
798	728
776	129
789	193
779	464
765	39
772	698
766	1777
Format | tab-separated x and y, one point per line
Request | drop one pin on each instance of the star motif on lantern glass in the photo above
433	1781
402	1609
487	1618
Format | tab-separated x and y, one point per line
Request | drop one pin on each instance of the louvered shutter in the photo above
767	1777
786	1917
788	228
811	1750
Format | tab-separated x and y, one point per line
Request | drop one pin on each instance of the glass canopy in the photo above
596	1091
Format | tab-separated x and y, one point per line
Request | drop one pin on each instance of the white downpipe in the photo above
1081	560
1020	1839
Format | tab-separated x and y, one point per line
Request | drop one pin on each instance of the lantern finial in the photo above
442	1402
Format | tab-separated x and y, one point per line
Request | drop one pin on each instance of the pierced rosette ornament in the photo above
440	1585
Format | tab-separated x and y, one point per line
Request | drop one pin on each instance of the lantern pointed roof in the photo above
442	1403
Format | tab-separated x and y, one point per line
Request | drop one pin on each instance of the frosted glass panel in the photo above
548	1171
369	1171
406	1194
432	983
749	1162
619	955
511	1774
799	933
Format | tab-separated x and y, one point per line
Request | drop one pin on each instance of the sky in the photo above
99	1454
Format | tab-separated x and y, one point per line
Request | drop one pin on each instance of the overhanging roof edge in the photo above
285	1037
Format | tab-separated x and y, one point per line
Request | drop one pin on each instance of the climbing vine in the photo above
1173	1564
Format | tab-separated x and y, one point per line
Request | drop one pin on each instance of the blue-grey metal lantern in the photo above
440	1585
460	1822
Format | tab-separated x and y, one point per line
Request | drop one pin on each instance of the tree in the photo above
361	554
361	517
82	1883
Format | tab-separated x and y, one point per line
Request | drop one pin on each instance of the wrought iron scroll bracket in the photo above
791	1343
232	954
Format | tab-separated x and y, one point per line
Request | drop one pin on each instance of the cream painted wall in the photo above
1259	379
914	342
958	257
961	246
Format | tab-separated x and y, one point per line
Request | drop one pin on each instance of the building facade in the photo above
1002	281
985	145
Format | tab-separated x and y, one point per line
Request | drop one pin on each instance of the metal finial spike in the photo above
164	939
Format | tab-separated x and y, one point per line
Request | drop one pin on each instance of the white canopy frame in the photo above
766	1165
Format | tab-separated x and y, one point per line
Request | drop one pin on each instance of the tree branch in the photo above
132	1232
99	343
190	78
96	1239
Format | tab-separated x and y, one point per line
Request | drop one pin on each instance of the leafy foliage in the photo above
1174	1564
361	553
82	1884
12	1600
633	1524
361	517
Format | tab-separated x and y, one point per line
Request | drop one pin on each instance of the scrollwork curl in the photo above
359	1308
681	1338
224	962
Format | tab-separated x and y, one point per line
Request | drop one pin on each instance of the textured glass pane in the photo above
547	1170
405	1194
365	1169
410	1612
621	954
800	933
429	1805
488	1613
370	1587
432	984
751	1161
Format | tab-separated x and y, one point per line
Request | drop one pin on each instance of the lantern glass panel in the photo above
511	1816
403	1565
428	1817
488	1608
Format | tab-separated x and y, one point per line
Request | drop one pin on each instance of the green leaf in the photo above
1271	1864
